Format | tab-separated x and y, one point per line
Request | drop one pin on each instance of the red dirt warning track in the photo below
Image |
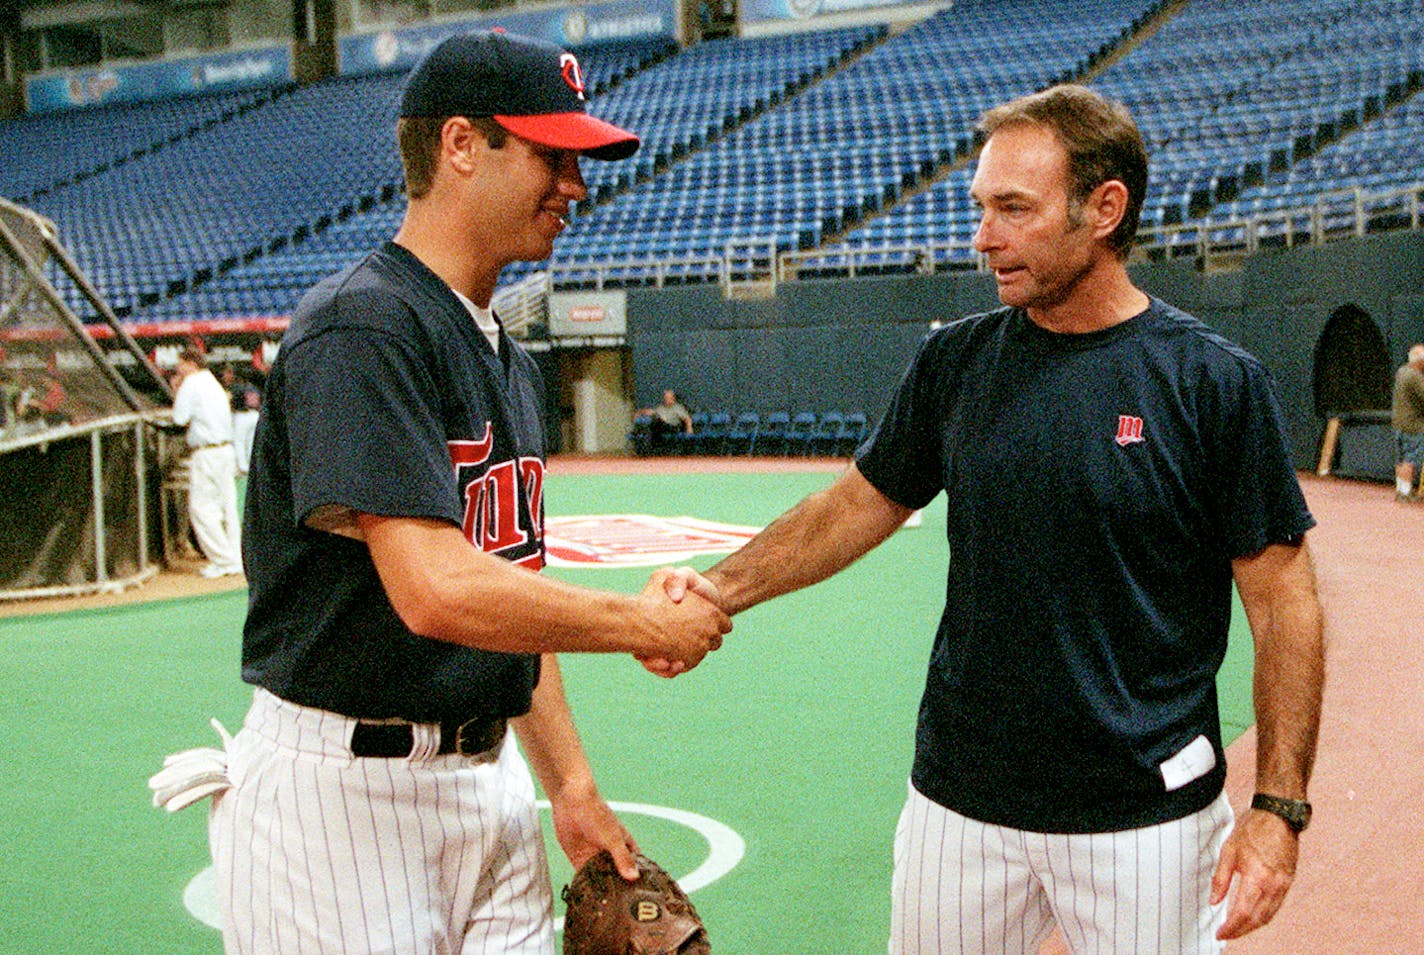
1360	886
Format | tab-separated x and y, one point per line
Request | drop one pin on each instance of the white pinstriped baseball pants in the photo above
963	887
317	851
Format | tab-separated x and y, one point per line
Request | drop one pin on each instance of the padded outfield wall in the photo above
842	344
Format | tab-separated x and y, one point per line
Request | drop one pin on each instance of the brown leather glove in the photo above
608	915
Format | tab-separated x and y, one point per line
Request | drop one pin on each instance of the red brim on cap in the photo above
578	131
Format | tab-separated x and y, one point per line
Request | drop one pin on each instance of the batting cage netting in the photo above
78	472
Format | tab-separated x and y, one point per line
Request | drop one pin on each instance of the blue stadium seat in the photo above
823	437
743	433
798	436
771	437
851	434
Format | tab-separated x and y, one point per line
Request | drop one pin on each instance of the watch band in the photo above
1296	812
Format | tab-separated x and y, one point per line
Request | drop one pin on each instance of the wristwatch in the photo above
1296	812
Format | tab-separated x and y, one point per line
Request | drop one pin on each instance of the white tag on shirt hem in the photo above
1195	760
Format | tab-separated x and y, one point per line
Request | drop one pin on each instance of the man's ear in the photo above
1105	208
460	143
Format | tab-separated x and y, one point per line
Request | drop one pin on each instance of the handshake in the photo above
686	620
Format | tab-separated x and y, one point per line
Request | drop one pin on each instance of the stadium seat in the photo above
771	437
851	434
822	439
798	436
743	433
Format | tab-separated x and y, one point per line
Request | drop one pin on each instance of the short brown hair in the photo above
418	138
1102	141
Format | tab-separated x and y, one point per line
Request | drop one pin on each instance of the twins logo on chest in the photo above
499	519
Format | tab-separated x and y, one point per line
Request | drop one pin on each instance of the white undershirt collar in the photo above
484	319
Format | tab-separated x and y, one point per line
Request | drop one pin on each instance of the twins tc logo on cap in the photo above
569	70
1129	430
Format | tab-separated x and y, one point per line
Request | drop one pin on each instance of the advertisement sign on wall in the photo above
757	11
585	25
70	89
588	314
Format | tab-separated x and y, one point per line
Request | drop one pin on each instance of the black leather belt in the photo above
397	740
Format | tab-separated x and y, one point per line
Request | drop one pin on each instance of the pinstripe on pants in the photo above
963	887
317	851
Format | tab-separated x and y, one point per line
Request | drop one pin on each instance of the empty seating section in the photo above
274	282
926	90
219	222
229	192
847	142
697	205
1230	93
49	150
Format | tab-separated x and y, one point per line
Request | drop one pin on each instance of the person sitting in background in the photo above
667	420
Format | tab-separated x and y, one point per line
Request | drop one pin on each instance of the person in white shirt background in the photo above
201	405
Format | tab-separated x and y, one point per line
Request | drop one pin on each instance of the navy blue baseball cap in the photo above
530	87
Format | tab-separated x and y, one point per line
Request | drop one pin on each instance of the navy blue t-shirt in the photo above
385	399
1098	487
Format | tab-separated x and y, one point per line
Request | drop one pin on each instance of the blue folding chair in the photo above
710	438
822	440
640	435
852	433
771	439
743	433
798	436
685	442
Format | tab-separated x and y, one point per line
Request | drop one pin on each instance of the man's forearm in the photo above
442	587
547	732
1287	625
825	533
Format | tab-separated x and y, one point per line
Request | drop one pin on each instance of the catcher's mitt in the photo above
608	915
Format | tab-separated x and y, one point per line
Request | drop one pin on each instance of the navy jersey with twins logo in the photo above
1098	487
386	399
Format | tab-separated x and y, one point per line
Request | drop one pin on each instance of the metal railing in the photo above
1334	215
1341	213
523	304
905	258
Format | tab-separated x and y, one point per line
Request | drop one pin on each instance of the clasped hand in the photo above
686	592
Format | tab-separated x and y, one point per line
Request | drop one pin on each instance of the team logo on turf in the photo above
1129	430
637	540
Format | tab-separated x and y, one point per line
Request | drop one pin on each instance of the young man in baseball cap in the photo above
394	520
